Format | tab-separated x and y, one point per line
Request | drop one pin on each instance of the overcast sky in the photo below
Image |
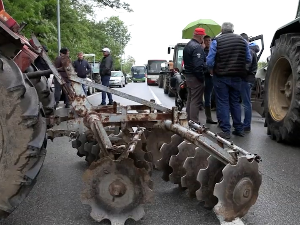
156	24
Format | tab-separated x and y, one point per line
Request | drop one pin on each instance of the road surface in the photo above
55	198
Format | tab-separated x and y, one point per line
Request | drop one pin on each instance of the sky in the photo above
156	24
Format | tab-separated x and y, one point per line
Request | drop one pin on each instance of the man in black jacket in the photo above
227	58
247	84
105	73
194	59
82	68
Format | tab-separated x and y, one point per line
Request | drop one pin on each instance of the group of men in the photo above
82	69
228	65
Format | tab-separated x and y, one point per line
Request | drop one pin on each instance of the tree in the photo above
115	28
78	32
262	64
128	63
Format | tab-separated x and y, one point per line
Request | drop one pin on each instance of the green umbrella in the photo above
211	28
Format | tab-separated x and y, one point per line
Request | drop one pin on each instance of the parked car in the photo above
117	79
90	90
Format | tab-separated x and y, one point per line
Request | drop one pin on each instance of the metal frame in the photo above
97	118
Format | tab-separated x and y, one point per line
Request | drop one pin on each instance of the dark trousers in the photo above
208	90
105	82
195	90
246	102
58	92
227	90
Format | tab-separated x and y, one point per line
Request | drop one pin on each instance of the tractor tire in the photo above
165	84
282	90
46	95
160	81
23	136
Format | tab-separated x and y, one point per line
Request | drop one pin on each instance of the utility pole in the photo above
58	27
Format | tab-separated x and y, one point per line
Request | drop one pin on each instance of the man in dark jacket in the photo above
194	59
105	73
227	58
208	84
58	90
247	84
82	68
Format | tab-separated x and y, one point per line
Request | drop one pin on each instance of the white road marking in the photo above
155	97
237	221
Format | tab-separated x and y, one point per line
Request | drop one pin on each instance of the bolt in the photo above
246	193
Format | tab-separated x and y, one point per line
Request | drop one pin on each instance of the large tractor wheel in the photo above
160	81
22	136
45	93
282	90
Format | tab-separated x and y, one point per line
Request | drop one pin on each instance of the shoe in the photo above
224	135
238	133
110	103
201	108
56	105
103	103
209	120
67	106
247	129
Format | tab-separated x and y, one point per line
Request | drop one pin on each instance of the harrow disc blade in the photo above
192	165
208	178
90	157
140	158
155	139
176	162
238	190
115	190
79	144
167	150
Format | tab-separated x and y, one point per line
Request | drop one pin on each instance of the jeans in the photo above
246	102
84	87
105	82
227	90
58	91
195	90
208	90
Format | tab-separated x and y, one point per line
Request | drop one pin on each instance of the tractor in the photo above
122	144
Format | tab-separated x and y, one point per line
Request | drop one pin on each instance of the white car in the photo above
90	90
117	79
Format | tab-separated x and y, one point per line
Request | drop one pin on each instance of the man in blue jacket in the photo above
247	84
194	60
82	68
227	58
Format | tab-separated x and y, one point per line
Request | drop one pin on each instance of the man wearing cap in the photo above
194	60
226	60
58	90
105	73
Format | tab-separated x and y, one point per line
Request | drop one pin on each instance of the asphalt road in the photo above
55	198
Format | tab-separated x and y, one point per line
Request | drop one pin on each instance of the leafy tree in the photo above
78	32
115	28
262	64
127	64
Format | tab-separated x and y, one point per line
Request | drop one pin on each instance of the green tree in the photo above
115	28
128	63
78	32
262	64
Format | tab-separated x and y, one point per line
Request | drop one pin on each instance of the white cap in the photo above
106	50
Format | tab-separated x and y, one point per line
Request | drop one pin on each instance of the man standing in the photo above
58	89
208	84
82	68
247	84
226	60
105	73
194	59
